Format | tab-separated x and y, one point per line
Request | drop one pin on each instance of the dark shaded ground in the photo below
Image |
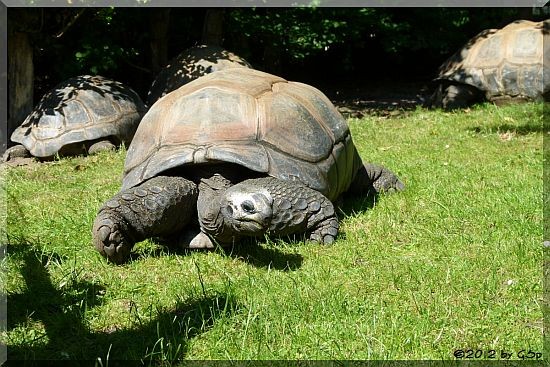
387	98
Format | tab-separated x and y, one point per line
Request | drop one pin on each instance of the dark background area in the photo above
331	48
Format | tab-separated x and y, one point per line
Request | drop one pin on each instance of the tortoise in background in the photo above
246	152
189	65
81	115
498	65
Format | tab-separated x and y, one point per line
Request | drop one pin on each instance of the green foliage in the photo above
100	52
102	60
306	30
300	32
75	41
116	41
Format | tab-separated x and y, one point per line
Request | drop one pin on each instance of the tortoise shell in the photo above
83	108
284	129
505	62
190	65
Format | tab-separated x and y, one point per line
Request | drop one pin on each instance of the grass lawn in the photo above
453	262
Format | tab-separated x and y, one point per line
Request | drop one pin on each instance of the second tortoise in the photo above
82	115
498	65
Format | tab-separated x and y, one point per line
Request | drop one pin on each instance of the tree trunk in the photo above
20	78
159	24
212	31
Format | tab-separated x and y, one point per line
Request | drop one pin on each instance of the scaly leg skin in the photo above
461	96
267	206
454	96
101	146
159	207
17	151
374	178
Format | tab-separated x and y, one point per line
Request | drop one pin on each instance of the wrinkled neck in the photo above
209	210
210	216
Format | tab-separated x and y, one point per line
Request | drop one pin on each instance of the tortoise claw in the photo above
326	231
109	239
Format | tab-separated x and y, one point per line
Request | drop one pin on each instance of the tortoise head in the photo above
244	209
247	209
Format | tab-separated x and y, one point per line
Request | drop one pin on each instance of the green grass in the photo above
453	262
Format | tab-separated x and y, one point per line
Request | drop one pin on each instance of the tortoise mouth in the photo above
251	224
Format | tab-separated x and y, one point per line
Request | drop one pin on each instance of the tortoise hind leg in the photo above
454	96
371	177
159	207
101	146
17	151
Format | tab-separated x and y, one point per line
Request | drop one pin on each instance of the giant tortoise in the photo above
189	65
497	65
247	152
84	114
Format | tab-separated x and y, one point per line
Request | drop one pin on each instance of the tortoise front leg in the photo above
159	207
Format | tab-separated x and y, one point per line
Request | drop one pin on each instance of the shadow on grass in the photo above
535	123
520	130
352	205
254	254
248	250
66	336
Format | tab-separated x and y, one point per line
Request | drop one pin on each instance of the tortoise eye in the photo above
248	206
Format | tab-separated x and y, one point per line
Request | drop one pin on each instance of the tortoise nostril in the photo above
229	210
